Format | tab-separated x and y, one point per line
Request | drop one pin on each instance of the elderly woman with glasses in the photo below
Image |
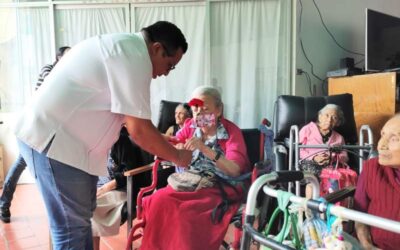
199	219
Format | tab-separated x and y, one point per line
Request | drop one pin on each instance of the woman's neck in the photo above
208	132
324	131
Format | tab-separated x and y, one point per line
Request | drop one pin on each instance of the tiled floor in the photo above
29	229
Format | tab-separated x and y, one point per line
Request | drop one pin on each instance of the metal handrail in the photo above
341	212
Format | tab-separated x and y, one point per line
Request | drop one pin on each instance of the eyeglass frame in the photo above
170	66
167	52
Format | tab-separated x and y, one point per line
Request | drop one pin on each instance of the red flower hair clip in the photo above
196	102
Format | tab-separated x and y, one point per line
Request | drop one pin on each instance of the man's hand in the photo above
195	143
143	132
184	159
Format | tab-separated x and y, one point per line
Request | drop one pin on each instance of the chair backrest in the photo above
166	117
252	138
297	110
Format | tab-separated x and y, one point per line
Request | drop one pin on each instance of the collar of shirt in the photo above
212	142
221	134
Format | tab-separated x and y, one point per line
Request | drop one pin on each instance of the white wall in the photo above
346	21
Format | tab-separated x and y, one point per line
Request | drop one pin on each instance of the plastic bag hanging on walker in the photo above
334	178
334	238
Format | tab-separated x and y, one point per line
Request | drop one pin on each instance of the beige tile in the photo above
29	225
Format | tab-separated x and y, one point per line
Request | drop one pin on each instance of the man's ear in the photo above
155	48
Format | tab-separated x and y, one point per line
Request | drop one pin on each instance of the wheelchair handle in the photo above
266	122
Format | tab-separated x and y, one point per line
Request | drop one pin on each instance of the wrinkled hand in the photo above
322	159
184	158
101	190
180	146
194	143
370	247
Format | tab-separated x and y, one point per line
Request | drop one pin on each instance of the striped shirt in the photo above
43	73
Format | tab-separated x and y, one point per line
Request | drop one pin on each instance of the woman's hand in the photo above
101	190
364	236
370	247
111	185
195	143
322	159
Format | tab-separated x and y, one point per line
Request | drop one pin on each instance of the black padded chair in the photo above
297	110
166	117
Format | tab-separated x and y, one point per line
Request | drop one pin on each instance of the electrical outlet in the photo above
299	71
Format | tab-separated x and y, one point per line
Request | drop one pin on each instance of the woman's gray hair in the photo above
186	107
339	112
209	91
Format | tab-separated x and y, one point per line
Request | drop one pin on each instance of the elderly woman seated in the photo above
199	219
319	133
378	189
182	112
111	196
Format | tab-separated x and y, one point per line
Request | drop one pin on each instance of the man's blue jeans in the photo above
69	195
11	182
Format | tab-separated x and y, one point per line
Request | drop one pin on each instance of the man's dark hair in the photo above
168	35
60	53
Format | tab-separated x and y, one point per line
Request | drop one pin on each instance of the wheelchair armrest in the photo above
148	167
167	164
139	170
340	194
263	165
281	156
261	168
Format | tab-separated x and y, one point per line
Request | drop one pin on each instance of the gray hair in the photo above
186	107
209	91
338	110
